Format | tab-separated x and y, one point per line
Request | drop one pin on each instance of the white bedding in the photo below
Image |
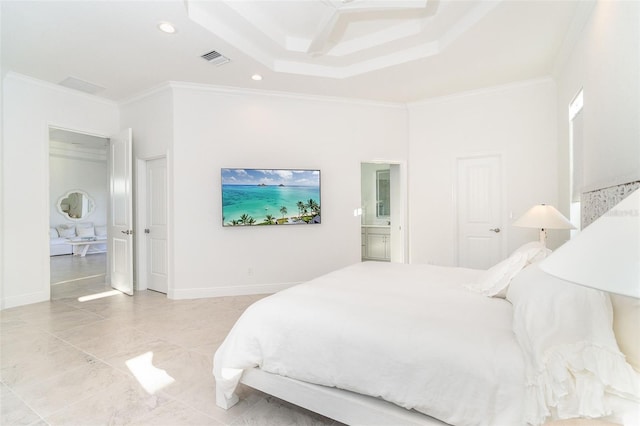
410	334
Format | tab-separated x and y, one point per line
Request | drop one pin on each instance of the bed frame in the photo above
352	408
337	404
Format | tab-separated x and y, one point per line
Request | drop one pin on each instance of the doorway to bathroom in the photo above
383	212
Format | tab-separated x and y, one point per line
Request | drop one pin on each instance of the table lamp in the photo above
543	217
606	254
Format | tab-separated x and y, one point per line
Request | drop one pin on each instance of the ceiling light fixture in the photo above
166	27
256	77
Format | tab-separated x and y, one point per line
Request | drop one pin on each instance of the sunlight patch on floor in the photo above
151	378
99	295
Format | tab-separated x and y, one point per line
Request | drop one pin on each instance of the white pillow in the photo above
101	231
572	362
494	281
66	230
85	231
534	251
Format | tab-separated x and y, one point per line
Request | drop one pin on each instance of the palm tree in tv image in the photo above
313	207
283	210
270	220
245	219
302	209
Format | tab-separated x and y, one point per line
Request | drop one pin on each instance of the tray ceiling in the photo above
384	50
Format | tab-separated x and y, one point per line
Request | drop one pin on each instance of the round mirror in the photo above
76	205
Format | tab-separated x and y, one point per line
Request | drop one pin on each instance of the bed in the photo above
385	343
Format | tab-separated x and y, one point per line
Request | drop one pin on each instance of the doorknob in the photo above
146	231
128	232
496	230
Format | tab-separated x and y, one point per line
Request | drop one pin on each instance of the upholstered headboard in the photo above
626	310
596	203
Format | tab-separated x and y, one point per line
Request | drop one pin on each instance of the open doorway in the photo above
78	209
383	212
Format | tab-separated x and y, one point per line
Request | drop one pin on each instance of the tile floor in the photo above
68	268
121	360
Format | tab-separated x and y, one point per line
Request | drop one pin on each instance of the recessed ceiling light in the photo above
256	77
166	27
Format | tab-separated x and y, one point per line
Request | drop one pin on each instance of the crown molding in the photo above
229	90
146	93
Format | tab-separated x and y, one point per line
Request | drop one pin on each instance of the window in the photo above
576	158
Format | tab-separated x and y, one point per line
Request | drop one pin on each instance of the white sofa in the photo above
60	237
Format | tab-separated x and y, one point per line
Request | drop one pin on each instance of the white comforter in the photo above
410	334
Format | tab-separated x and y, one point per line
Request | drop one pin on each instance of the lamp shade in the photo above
606	254
543	216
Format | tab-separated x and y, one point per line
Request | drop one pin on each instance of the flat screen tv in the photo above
260	197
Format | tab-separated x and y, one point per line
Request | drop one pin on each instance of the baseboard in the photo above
25	299
236	290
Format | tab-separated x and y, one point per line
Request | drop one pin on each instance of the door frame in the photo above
402	165
503	198
140	217
47	203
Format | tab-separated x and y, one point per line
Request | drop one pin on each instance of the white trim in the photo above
45	249
25	299
170	244
284	95
576	104
222	291
74	130
145	94
140	177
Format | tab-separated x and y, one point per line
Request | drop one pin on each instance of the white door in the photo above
479	198
121	213
156	228
396	229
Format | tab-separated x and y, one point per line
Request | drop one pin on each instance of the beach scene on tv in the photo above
254	197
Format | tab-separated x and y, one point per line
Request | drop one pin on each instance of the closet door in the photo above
479	207
156	230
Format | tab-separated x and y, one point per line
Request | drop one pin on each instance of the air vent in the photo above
81	85
215	58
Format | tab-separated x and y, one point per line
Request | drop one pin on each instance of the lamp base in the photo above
543	237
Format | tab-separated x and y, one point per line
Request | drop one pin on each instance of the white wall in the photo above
215	129
516	121
151	118
67	174
30	106
605	62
